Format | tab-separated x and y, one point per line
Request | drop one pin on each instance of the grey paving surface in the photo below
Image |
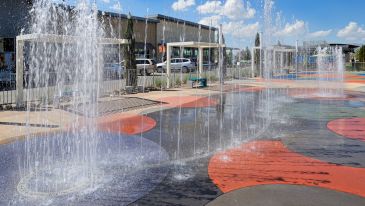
114	106
287	195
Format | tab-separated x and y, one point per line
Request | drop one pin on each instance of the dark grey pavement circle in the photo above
315	140
287	195
128	167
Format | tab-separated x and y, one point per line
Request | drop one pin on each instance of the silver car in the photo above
178	64
114	71
146	66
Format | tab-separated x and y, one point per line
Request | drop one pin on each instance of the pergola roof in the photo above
53	38
275	49
194	44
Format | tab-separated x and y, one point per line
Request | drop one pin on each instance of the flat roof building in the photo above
151	33
170	29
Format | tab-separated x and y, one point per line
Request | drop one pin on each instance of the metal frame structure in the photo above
200	45
274	50
47	38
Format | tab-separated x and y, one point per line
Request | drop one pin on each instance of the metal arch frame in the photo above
191	44
49	38
274	50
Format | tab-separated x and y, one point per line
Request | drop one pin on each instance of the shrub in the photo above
185	79
159	83
178	82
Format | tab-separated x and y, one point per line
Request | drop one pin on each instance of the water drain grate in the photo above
21	124
110	106
227	88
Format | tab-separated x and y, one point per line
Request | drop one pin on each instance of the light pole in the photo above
261	73
296	58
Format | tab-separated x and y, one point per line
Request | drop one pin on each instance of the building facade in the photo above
151	33
145	31
171	29
13	18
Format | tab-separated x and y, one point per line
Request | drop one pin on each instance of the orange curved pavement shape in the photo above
241	88
353	128
270	162
129	125
313	93
275	80
359	81
352	78
189	101
252	89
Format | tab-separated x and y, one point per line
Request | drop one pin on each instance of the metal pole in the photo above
261	73
19	73
252	62
200	61
221	56
274	59
296	57
168	65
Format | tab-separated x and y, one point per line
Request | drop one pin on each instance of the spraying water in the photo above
53	166
330	72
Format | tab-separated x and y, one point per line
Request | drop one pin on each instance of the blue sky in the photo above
331	20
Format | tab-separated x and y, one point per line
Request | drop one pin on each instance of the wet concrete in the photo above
189	136
126	171
287	195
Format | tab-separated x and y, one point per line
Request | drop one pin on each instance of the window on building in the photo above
9	44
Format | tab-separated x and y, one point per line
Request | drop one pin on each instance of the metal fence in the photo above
358	66
113	82
107	87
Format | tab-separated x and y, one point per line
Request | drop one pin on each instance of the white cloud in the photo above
106	1
232	9
294	29
181	5
320	34
235	9
210	7
352	32
240	30
117	6
232	15
211	20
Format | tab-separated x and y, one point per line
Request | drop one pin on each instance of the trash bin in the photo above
198	82
203	82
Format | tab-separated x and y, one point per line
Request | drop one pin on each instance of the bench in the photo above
196	82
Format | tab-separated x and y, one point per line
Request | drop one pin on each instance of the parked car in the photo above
146	66
114	71
178	64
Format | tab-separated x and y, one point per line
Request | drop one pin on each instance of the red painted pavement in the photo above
270	162
353	128
129	125
189	101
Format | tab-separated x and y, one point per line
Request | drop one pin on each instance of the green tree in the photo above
247	54
360	54
257	40
129	56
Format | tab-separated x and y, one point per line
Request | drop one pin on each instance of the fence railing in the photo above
107	87
358	66
112	82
